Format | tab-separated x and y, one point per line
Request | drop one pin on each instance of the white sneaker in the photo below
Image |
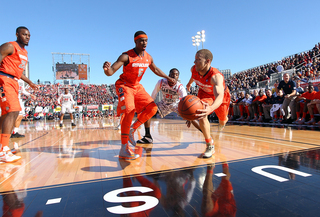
208	152
8	157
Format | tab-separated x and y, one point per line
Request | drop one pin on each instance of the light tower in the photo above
199	37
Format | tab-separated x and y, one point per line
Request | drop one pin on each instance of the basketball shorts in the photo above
22	112
223	110
131	98
66	108
165	109
9	90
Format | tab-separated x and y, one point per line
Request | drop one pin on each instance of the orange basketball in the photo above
188	106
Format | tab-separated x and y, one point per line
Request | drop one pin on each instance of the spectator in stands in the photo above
289	90
279	68
268	104
300	104
306	98
314	103
277	107
256	106
237	104
299	89
247	103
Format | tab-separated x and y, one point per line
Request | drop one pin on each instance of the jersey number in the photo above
168	96
140	72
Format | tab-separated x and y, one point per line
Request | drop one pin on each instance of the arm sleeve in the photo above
182	91
23	91
71	97
59	98
156	90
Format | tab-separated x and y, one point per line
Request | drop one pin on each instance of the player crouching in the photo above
213	93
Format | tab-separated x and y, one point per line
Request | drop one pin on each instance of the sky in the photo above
241	34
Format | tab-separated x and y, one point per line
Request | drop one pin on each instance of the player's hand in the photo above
33	96
188	87
205	111
171	81
188	123
34	86
106	66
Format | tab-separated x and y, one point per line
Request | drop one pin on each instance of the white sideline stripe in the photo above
53	201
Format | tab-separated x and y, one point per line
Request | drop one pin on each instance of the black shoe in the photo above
73	124
17	135
61	125
145	140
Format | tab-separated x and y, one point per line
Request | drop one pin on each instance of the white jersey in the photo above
66	99
171	95
22	90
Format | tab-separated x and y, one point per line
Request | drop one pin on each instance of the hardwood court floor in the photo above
56	161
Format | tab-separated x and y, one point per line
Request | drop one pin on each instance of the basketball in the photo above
188	106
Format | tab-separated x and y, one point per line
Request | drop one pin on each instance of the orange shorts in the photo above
223	110
9	90
131	98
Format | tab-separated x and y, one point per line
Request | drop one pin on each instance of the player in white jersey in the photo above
22	91
66	102
172	93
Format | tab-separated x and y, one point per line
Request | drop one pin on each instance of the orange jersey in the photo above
260	98
204	83
316	95
133	72
309	95
15	63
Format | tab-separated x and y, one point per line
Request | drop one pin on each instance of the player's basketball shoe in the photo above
126	153
6	155
61	125
131	137
145	140
73	124
17	135
209	150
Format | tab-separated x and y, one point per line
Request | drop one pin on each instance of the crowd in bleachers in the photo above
83	94
267	105
307	62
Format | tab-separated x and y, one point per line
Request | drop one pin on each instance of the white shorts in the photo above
165	109
66	108
22	112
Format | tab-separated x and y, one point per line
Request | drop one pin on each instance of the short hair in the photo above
173	69
21	27
206	54
139	33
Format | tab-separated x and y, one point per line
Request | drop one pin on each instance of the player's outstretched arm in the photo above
111	69
160	73
188	86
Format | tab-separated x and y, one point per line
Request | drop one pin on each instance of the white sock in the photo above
61	122
16	130
72	121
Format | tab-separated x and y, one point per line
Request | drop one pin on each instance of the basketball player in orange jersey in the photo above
131	94
214	95
13	60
